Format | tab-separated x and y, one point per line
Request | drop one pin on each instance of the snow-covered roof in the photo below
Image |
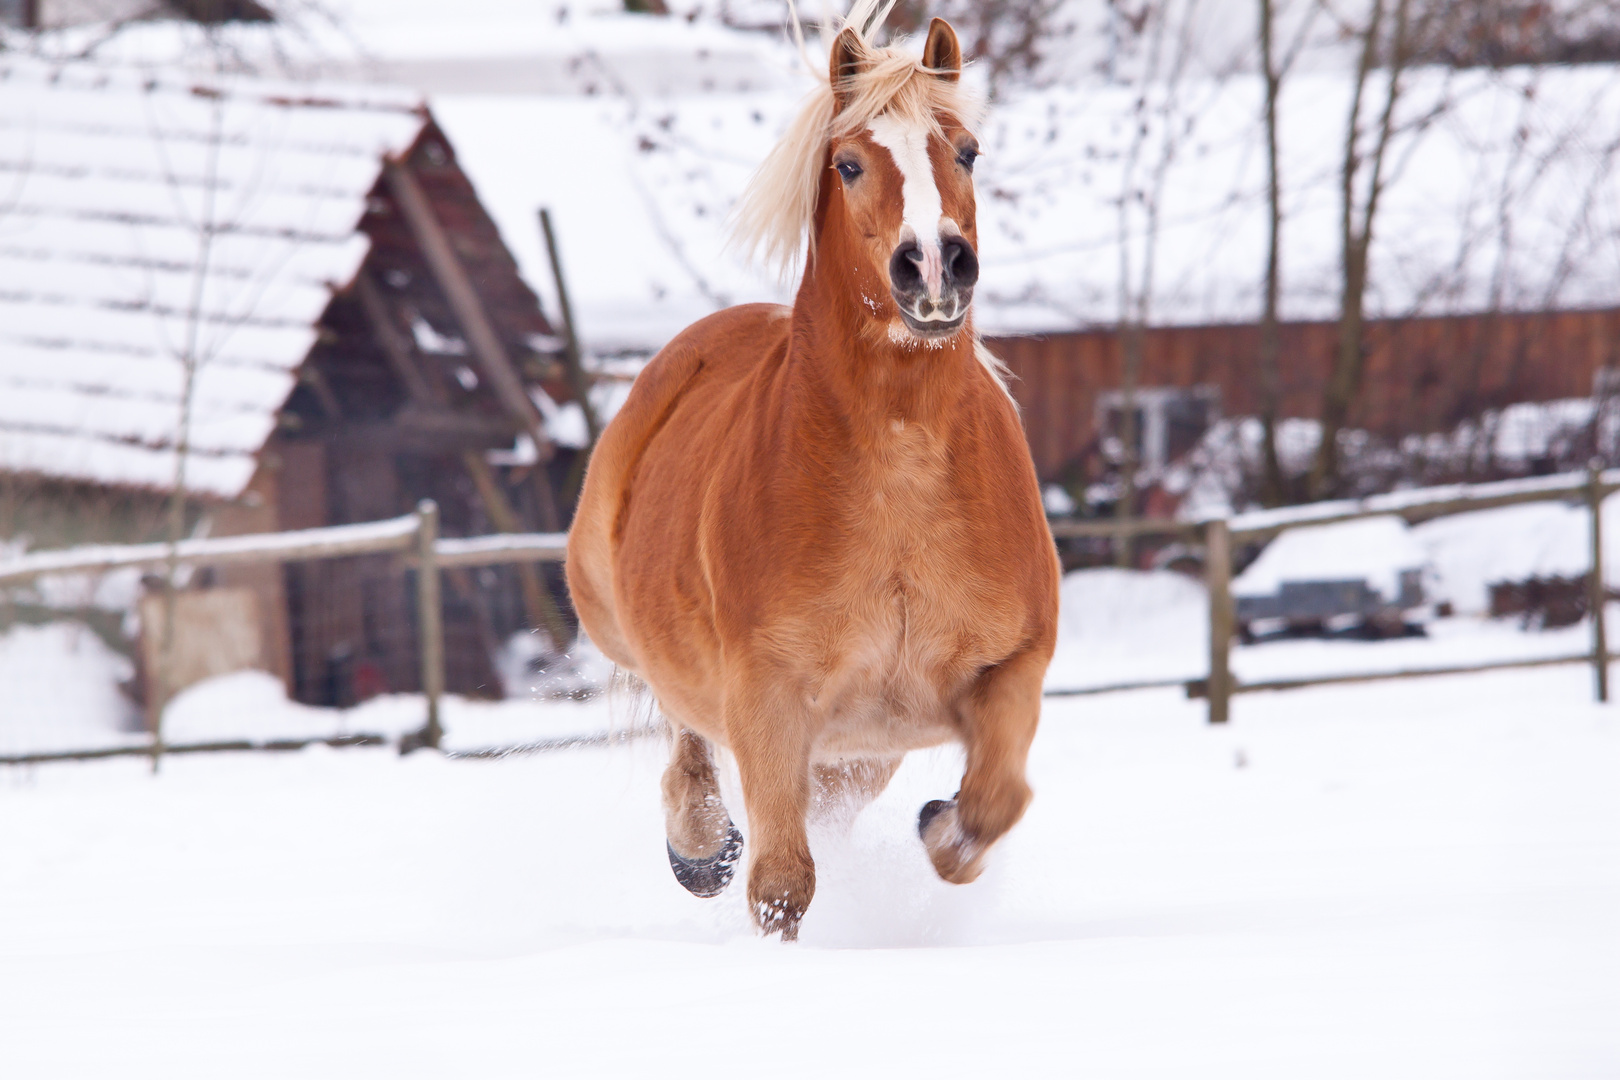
112	235
473	46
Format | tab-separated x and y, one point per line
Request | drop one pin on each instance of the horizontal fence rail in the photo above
192	748
413	538
1219	535
369	538
1425	504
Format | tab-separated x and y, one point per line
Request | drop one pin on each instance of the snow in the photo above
584	162
460	549
1375	550
1404	880
1516	543
61	690
1126	626
253	705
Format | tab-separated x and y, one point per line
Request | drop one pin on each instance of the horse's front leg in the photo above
770	736
998	718
703	843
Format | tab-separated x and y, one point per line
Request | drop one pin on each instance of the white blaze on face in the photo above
919	194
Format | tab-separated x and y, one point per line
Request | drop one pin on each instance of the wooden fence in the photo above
415	539
1221	535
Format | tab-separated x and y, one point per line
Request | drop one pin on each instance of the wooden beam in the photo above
396	346
425	431
1113	527
469	310
429	622
1597	591
1198	688
312	377
577	382
1218	575
475	324
538	606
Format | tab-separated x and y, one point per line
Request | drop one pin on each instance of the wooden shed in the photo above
1422	374
301	290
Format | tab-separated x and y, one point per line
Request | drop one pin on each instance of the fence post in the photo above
1218	576
429	621
1597	593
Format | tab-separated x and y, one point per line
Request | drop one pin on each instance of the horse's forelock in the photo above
777	208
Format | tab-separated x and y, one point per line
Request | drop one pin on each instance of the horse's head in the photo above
897	198
878	168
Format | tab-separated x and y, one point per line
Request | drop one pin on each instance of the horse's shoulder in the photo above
726	343
733	342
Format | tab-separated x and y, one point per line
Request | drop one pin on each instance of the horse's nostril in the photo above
961	265
905	267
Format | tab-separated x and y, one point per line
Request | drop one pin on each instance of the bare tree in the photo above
205	327
1274	485
1362	181
1164	115
1012	39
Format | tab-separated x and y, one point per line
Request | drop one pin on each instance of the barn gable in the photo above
361	340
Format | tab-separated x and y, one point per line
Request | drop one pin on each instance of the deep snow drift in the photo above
1403	880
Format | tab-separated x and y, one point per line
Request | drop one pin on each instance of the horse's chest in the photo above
909	630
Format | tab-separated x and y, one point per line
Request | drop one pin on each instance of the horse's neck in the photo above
872	380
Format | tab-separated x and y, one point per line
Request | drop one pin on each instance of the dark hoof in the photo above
929	812
708	877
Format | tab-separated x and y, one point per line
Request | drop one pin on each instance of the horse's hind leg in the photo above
845	788
999	724
703	844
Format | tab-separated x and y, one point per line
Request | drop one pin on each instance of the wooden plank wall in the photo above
1422	374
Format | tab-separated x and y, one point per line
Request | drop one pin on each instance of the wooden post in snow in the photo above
575	365
1597	593
1218	576
429	622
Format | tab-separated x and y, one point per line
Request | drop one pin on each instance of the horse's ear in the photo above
942	53
848	60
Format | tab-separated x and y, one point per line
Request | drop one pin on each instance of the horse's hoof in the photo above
930	811
708	877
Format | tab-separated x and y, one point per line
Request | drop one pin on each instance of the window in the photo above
1169	421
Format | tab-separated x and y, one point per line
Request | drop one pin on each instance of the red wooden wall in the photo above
1422	374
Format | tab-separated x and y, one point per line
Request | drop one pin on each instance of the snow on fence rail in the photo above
1415	505
414	537
371	537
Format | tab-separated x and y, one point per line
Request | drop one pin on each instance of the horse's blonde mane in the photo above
774	214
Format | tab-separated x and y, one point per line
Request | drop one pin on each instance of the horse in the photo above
815	532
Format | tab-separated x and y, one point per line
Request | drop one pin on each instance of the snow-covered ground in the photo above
1416	880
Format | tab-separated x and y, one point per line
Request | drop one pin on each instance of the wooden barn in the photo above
1422	375
299	290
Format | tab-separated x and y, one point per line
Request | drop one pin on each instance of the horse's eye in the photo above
967	157
848	170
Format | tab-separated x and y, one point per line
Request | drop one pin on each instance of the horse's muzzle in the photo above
932	284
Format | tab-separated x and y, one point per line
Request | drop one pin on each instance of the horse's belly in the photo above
891	697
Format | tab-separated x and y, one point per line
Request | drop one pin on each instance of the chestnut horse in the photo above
816	532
